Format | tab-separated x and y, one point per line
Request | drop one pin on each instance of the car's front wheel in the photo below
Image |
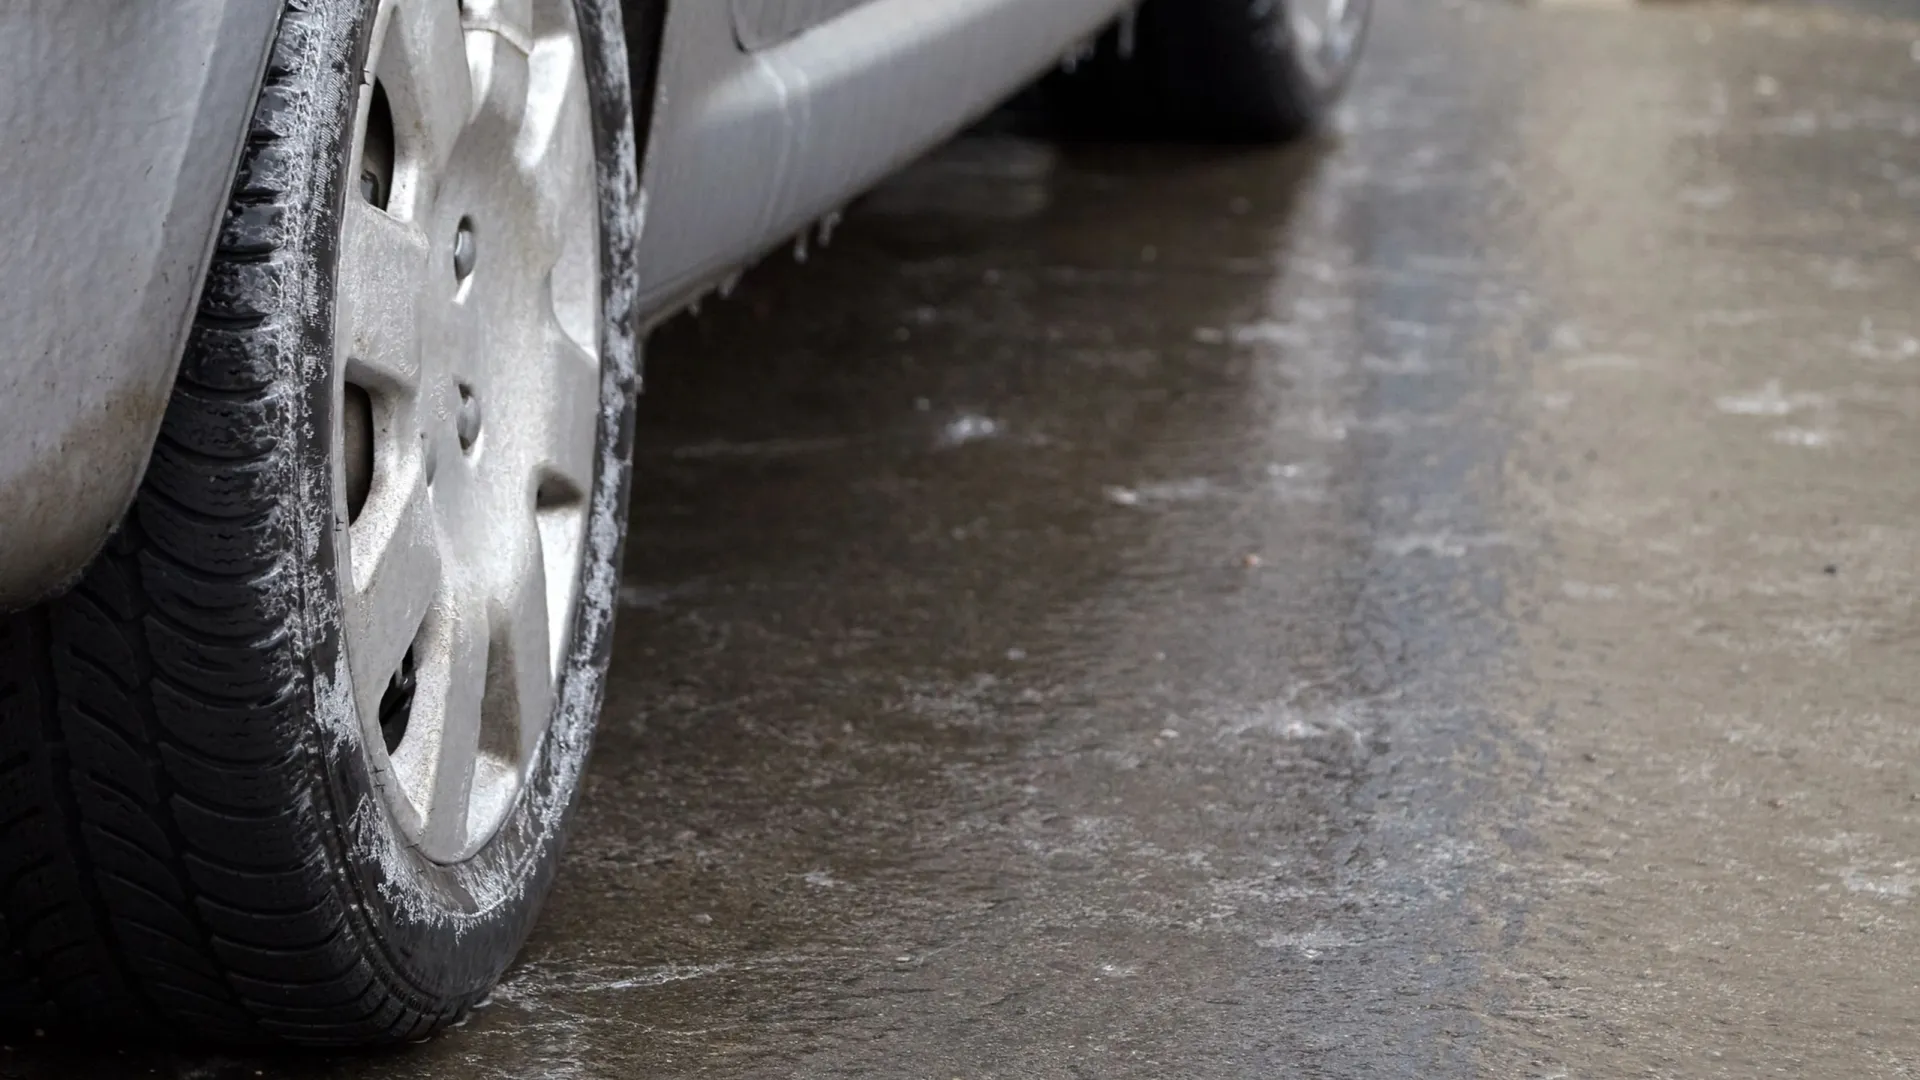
291	763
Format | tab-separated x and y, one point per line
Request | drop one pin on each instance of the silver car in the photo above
321	324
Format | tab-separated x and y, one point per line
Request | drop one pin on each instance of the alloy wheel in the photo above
466	316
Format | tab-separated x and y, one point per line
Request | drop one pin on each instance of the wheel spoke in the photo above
553	149
499	80
561	532
447	717
572	427
519	693
424	68
395	559
382	262
555	138
511	19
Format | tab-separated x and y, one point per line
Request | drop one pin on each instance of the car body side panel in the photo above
761	23
120	127
750	147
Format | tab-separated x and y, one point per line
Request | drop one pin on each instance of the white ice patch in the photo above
1445	545
1769	400
967	428
1707	197
533	983
1341	721
1872	345
1291	482
1580	590
1166	491
1895	886
1269	332
1809	438
1309	943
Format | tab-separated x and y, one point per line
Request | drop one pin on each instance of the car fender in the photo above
120	127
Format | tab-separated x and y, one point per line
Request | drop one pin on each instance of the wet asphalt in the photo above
1436	602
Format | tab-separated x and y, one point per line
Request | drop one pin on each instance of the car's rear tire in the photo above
1235	70
207	832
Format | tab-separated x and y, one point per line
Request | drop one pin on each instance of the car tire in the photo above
1230	70
204	835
